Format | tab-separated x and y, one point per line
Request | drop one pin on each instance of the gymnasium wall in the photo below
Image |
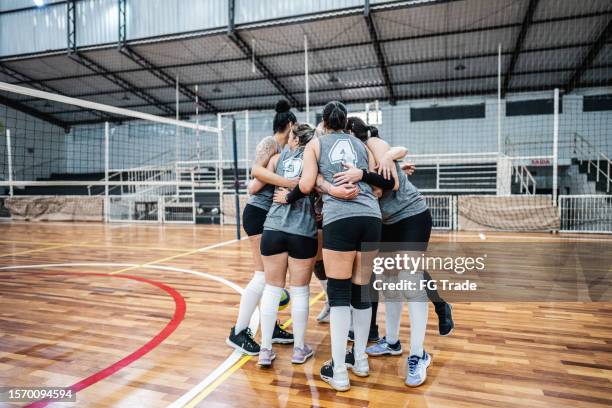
38	147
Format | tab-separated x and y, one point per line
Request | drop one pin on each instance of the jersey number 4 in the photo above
343	152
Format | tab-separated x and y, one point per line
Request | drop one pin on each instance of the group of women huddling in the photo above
344	173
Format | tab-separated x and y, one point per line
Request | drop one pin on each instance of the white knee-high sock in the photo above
361	328
323	284
339	320
249	300
418	325
269	311
393	316
299	313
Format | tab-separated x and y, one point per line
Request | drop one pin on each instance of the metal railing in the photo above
524	178
595	159
443	210
586	213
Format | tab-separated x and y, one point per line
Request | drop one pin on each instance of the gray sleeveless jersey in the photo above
403	203
263	198
338	148
297	218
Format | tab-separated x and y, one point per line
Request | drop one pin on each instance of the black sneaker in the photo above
339	381
373	337
281	336
445	319
243	342
349	359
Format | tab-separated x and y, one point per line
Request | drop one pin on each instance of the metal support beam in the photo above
166	78
120	82
589	58
379	52
265	71
71	31
533	5
122	37
34	112
231	16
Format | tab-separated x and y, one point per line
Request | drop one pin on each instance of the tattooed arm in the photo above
255	184
263	152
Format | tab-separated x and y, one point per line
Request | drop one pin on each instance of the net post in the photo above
106	169
246	146
236	180
220	168
555	147
499	117
10	161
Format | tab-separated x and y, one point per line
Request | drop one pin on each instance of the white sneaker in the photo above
323	317
361	368
337	378
417	369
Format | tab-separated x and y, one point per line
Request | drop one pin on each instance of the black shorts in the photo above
253	219
348	234
411	234
297	246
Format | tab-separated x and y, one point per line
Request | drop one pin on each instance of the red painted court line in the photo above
179	314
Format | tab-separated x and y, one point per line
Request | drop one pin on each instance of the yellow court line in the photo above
194	251
213	386
35	250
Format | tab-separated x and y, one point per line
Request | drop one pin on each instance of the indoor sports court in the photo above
145	153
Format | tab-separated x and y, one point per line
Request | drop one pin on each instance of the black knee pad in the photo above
339	292
319	270
360	296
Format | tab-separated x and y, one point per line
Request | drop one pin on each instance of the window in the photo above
447	113
532	107
597	103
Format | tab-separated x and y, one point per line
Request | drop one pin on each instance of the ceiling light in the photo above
333	79
39	3
217	89
460	67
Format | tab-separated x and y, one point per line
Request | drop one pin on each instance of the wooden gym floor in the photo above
136	315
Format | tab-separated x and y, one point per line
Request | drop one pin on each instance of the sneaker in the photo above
417	369
323	317
266	356
337	378
243	342
445	319
349	359
281	336
300	355
383	348
372	337
360	367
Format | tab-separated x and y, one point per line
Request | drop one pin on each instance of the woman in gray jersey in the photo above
406	222
288	242
253	218
346	225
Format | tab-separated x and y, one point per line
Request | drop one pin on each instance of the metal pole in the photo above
307	79
106	169
220	168
499	99
555	146
246	146
10	161
236	180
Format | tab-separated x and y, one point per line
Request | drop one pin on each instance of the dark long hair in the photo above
283	116
334	115
360	129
